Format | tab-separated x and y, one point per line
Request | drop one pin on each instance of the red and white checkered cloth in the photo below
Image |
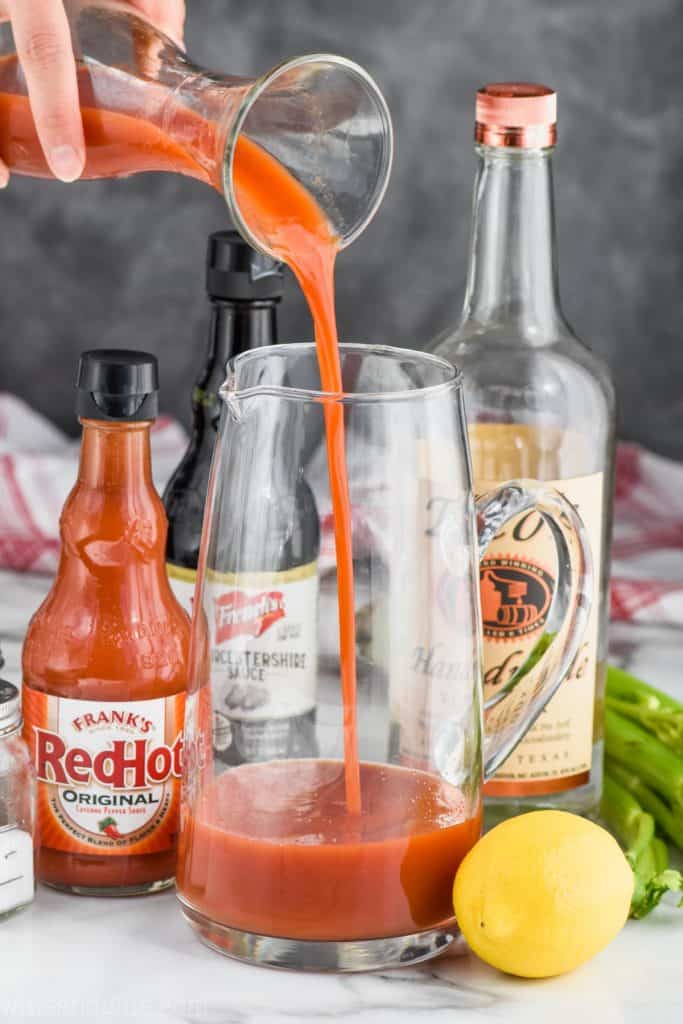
38	468
647	551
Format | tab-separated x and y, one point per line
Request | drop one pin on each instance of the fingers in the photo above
168	15
4	172
43	41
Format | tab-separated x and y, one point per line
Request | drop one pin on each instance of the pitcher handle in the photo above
506	720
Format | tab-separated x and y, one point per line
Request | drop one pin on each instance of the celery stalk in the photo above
661	852
655	711
648	894
633	827
644	871
623	686
668	820
646	756
646	854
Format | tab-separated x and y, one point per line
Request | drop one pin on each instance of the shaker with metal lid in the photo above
17	796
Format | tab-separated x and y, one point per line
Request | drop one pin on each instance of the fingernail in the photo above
66	164
4	177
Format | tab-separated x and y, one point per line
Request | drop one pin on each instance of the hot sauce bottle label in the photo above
108	772
517	579
263	634
182	582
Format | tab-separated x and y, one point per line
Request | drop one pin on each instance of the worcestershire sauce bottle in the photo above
244	289
263	676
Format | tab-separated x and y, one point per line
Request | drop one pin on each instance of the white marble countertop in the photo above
73	959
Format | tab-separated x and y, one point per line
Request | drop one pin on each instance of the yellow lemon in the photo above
542	893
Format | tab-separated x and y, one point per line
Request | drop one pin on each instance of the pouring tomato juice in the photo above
330	852
377	849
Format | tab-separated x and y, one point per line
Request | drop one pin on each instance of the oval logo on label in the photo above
515	597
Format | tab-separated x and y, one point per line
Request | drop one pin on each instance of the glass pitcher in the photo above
272	867
146	107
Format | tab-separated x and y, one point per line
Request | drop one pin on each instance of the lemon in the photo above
542	893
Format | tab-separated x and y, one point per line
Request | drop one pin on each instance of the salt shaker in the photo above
17	796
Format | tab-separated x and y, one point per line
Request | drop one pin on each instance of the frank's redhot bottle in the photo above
104	664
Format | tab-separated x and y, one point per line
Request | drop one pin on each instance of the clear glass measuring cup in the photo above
273	866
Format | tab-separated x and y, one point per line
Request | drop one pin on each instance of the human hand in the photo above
43	42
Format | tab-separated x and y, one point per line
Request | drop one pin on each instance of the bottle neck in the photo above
199	114
115	457
235	327
512	277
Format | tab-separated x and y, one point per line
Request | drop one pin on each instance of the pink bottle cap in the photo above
521	115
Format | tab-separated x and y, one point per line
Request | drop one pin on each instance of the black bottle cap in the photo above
117	384
237	273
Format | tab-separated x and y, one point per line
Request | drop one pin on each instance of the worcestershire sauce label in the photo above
517	580
263	631
108	772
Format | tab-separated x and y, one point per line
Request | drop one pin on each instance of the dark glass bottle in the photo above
253	644
244	289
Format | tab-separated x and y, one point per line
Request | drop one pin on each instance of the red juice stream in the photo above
278	208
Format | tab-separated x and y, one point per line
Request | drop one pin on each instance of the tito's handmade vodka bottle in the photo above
540	405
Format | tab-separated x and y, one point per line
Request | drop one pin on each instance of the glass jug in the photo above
272	866
146	107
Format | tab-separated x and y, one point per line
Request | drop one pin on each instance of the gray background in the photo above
121	263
